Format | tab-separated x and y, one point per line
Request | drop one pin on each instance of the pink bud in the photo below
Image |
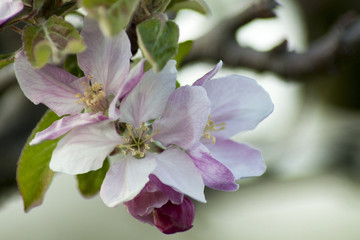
172	218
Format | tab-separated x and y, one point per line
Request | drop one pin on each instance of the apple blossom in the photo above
237	104
86	100
164	144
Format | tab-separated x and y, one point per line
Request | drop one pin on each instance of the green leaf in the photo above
196	5
6	59
158	41
89	183
71	65
33	173
183	49
37	4
64	9
113	15
154	6
42	53
177	84
53	39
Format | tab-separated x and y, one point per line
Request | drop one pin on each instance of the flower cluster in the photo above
164	144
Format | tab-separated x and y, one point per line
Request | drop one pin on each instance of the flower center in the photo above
212	127
93	98
136	141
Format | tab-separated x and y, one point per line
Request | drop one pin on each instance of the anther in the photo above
212	127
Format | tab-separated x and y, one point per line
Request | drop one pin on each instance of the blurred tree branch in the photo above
339	44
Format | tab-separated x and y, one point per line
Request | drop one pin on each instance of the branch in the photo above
338	44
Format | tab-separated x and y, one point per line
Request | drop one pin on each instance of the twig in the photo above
16	29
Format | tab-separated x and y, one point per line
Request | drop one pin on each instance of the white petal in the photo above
84	148
125	179
237	101
65	124
148	99
185	117
49	85
242	160
176	169
106	59
132	80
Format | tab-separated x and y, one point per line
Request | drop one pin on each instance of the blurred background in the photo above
310	143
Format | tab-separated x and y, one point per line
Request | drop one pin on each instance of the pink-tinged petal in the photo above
144	203
239	102
147	100
214	173
49	85
172	218
185	117
174	196
106	59
208	75
9	8
176	169
242	160
148	218
65	124
85	148
78	85
132	80
151	200
125	179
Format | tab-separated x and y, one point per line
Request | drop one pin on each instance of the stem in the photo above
16	29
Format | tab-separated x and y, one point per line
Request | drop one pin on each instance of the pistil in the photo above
136	141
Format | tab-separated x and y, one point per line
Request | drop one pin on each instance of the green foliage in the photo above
90	183
37	4
33	173
196	5
183	49
113	15
71	65
6	59
155	6
55	38
64	9
158	41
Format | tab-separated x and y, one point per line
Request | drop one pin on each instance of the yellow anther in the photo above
212	127
94	98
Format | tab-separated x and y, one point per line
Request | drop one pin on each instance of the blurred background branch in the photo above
339	44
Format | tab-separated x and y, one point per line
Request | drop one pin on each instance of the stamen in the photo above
135	140
94	97
212	127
